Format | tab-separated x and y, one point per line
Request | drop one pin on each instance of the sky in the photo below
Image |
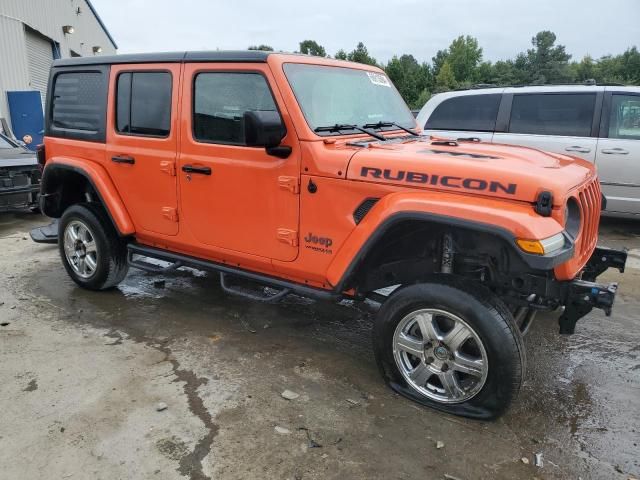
392	27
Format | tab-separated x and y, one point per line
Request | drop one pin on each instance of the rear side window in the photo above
553	114
77	105
143	103
466	112
220	101
624	120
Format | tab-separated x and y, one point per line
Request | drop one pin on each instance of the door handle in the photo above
198	170
123	159
615	151
577	148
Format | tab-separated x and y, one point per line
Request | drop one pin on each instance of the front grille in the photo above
590	199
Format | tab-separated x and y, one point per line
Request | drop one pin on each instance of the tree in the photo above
464	56
361	55
265	48
311	47
584	70
445	80
547	62
409	77
423	98
340	55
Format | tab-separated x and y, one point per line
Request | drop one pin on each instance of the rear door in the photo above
618	157
465	116
142	139
560	122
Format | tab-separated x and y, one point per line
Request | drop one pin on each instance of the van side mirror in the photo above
263	128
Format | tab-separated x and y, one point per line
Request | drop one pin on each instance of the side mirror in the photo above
263	128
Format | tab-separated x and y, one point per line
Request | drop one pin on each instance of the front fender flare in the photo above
101	182
508	220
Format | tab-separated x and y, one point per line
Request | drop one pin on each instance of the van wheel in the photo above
92	252
452	345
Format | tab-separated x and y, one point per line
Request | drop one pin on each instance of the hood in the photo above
494	170
17	157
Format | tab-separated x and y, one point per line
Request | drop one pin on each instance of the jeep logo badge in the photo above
318	244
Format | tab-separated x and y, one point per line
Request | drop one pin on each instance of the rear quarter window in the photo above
553	114
466	112
77	104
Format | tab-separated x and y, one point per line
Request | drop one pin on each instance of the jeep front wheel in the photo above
450	345
91	250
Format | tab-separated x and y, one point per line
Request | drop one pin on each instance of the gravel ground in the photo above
85	375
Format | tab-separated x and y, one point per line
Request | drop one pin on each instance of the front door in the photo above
235	197
618	157
142	135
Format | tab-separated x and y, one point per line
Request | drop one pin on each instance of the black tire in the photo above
111	261
489	319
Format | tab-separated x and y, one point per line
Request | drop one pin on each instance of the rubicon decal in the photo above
318	243
449	181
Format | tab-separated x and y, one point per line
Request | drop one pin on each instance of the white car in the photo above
598	123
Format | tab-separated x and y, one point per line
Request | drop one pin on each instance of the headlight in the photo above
572	217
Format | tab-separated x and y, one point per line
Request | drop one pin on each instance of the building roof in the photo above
239	56
95	14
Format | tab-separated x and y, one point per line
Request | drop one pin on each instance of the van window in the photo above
466	112
624	120
77	105
220	101
553	114
143	103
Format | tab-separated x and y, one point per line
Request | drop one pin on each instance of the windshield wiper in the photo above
343	126
391	124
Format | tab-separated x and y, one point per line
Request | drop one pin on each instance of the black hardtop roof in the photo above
239	56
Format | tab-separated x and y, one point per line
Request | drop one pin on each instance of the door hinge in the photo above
289	183
170	213
168	167
288	236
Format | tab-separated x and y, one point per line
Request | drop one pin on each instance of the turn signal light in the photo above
544	246
531	246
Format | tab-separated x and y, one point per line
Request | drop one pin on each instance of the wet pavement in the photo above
83	372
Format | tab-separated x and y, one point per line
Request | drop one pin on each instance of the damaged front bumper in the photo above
584	294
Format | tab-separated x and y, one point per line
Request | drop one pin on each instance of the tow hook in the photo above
583	297
584	294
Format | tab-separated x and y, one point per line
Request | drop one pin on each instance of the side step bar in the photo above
46	233
244	292
178	260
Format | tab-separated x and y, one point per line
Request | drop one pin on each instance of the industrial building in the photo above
32	34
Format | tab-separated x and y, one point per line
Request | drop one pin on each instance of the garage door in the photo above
40	58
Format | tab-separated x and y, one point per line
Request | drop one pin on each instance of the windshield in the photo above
332	96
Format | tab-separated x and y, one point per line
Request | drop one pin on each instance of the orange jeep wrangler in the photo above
308	175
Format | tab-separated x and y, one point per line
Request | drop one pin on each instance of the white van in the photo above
598	123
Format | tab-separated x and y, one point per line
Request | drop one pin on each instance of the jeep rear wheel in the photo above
91	250
450	345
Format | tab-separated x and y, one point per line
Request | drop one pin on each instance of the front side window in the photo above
332	96
466	112
624	120
553	114
143	103
220	102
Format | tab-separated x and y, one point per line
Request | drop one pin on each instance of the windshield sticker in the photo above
378	79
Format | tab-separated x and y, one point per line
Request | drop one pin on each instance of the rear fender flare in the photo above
507	220
101	182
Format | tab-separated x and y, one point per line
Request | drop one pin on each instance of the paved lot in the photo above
82	374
